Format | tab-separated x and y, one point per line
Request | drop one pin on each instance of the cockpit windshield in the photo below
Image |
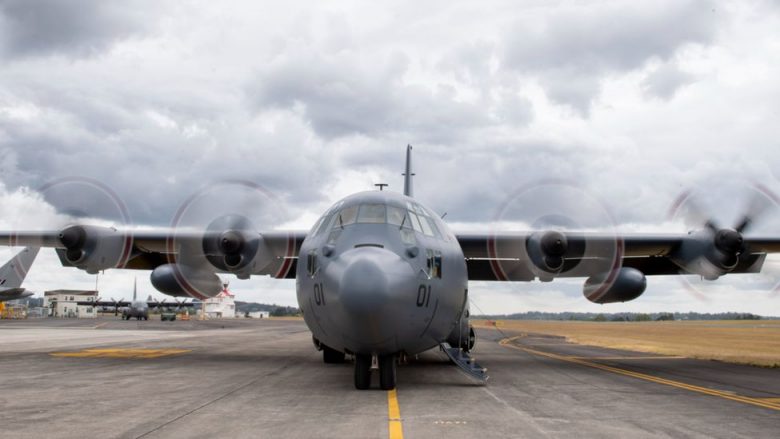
414	217
372	213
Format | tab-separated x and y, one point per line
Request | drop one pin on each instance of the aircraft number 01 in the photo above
319	294
423	295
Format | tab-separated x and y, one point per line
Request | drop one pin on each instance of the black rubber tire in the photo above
332	356
387	369
362	372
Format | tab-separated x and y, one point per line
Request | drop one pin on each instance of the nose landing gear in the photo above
387	371
387	367
362	371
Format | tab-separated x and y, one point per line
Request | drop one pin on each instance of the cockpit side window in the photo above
415	222
347	216
371	213
434	228
426	226
407	237
320	226
434	263
395	215
311	263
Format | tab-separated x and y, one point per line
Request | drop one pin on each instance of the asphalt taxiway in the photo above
244	378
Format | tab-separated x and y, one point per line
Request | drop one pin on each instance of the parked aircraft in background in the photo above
381	276
138	309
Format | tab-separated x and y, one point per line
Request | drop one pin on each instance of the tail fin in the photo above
12	274
135	291
408	174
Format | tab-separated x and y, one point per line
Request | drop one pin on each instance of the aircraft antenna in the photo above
381	186
408	173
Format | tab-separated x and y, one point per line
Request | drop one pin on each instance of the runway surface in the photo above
111	378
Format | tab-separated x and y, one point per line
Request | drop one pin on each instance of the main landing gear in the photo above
387	371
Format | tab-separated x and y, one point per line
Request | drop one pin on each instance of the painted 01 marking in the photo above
423	296
319	294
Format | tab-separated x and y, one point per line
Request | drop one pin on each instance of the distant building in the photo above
221	306
64	303
258	314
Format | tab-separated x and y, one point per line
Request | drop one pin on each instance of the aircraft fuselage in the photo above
381	274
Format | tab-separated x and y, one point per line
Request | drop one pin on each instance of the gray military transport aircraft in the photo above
137	309
12	275
380	276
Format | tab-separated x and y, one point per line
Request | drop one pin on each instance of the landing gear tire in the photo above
362	372
332	356
472	340
387	372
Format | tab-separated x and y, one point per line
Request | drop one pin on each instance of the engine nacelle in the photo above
94	248
231	244
628	284
183	281
546	250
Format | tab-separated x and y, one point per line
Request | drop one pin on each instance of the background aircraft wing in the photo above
546	255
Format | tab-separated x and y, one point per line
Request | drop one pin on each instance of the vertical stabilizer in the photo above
12	274
135	291
408	174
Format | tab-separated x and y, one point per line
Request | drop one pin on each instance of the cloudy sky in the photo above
628	103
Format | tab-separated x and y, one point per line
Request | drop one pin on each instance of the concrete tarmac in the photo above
243	378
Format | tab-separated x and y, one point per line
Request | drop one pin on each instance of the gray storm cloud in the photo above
71	28
572	50
631	103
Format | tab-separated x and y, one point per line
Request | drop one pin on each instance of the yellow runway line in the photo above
120	353
760	402
395	429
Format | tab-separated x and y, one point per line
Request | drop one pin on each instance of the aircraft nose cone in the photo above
371	291
363	287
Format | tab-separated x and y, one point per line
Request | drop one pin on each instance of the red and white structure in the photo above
221	306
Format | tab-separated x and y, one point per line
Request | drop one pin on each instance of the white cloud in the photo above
632	103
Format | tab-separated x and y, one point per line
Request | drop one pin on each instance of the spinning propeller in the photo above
714	250
219	229
556	213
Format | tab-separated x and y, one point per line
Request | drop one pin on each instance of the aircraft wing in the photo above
523	256
104	303
170	304
124	303
95	248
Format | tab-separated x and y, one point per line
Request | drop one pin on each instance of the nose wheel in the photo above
387	371
387	366
362	372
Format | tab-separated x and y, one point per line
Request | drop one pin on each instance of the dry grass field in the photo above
755	342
